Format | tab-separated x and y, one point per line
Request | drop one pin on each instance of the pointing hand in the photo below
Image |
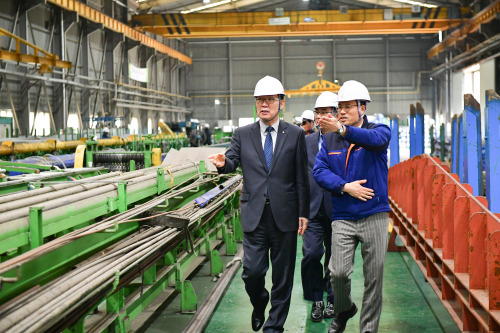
219	160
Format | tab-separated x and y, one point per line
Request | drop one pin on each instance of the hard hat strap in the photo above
359	113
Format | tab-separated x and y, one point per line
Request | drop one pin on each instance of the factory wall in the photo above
224	73
101	55
475	80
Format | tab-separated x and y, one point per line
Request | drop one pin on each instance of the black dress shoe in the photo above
317	311
259	314
340	320
329	311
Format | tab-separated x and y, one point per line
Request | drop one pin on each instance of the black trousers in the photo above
315	276
267	237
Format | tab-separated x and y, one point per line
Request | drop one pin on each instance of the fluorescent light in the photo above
410	2
440	36
206	1
363	39
215	4
217	102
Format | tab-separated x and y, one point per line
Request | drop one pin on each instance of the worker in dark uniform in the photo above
317	239
308	121
105	133
208	133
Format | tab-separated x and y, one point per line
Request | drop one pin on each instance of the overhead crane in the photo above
294	23
114	25
484	16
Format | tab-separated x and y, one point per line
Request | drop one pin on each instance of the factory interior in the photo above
113	218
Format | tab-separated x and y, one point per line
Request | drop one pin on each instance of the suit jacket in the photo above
287	182
317	193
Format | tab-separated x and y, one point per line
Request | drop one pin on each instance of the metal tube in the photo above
18	219
29	194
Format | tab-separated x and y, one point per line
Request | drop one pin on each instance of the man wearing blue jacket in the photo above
352	165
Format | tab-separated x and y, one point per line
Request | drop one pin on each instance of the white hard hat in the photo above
268	86
308	114
353	91
207	126
105	129
327	99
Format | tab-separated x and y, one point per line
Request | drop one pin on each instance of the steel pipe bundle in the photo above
15	220
45	307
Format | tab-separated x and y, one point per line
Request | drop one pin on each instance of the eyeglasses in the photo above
322	113
268	100
345	107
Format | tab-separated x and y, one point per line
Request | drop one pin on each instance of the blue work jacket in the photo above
360	154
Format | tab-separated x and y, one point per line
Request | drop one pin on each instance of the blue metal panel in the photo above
419	130
454	144
460	157
394	145
472	144
492	141
413	112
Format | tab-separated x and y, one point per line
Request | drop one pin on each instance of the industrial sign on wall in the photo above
137	74
279	21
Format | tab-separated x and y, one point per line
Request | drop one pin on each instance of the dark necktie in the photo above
268	148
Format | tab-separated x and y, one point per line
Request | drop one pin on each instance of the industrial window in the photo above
6	113
73	121
471	84
134	126
42	123
150	126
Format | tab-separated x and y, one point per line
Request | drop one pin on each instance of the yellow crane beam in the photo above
112	24
40	57
293	23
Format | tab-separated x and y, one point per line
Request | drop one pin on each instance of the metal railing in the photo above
453	237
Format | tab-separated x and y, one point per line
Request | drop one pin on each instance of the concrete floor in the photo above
410	305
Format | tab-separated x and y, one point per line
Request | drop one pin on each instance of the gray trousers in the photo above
346	234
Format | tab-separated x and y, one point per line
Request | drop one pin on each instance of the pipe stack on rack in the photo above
54	302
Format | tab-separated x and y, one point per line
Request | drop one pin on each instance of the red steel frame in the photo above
453	237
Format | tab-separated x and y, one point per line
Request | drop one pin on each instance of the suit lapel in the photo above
315	142
280	140
257	143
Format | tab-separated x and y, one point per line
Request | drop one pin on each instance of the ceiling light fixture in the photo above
410	2
215	4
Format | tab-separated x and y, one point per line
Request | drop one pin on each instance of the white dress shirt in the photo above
263	132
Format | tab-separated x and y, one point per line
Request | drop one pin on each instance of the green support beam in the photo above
35	225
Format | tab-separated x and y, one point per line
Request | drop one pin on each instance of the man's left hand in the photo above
302	225
330	123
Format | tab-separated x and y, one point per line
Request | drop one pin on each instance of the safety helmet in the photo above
268	86
207	126
327	99
308	115
353	91
105	129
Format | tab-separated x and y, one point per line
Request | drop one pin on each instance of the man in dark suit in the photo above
317	239
274	201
